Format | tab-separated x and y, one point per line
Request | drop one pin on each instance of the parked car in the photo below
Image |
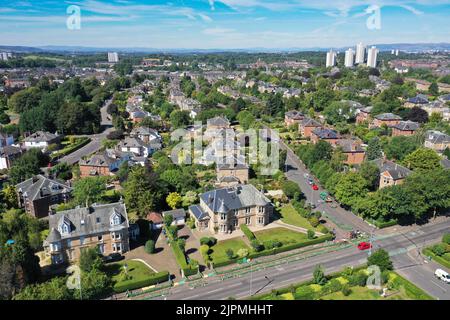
315	187
310	181
306	176
364	245
442	275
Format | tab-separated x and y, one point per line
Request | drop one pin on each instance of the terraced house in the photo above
224	210
104	226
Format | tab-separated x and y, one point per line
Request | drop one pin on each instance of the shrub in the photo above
381	259
319	276
314	221
333	285
346	291
257	246
446	238
150	246
229	253
250	235
311	234
323	229
242	253
358	279
439	249
151	280
213	241
305	293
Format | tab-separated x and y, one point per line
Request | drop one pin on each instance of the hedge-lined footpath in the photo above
250	235
267	252
151	280
180	256
440	260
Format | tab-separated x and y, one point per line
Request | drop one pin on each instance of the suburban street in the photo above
402	247
96	139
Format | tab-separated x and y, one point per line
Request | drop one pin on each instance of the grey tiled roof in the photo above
308	122
39	186
294	114
237	197
349	145
218	121
388	116
177	213
407	126
89	221
395	170
325	133
197	211
7	151
436	137
235	164
41	136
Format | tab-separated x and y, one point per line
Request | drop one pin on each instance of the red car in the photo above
315	187
364	245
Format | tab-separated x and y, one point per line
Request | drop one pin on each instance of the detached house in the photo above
352	150
103	164
7	155
135	146
217	123
391	173
437	141
326	134
364	115
41	140
388	119
37	194
293	117
104	226
233	173
307	125
224	210
417	101
405	128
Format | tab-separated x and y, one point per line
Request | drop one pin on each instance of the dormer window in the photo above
115	219
64	228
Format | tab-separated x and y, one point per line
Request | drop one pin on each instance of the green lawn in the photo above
363	293
443	260
219	250
285	236
137	271
290	216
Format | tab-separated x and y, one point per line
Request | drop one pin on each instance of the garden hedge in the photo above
151	280
250	235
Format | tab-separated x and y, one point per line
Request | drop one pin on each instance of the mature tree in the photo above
381	259
398	147
179	179
150	246
370	172
28	165
374	150
179	118
417	115
142	191
352	186
422	158
94	284
54	289
89	190
189	198
275	104
246	119
433	88
173	200
338	112
25	99
380	107
90	259
9	196
322	151
291	190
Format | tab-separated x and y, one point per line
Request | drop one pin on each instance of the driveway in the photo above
192	245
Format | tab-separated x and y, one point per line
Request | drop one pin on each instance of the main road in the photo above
403	248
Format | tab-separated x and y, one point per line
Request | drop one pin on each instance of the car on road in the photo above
364	245
315	187
442	275
306	176
310	181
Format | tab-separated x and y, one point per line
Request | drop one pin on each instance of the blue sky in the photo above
222	23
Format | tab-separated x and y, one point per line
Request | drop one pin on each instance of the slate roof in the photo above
176	214
395	170
235	164
445	97
7	151
445	163
145	131
407	126
436	137
388	116
349	145
88	220
308	122
218	122
41	136
294	114
325	133
237	197
98	160
419	99
131	142
197	211
366	110
39	187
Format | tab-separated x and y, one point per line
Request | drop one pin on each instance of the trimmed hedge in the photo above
384	224
268	252
72	148
250	235
151	280
188	269
440	260
413	291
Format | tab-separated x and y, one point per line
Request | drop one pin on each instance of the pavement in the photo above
400	246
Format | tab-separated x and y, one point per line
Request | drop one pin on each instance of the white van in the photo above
441	274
